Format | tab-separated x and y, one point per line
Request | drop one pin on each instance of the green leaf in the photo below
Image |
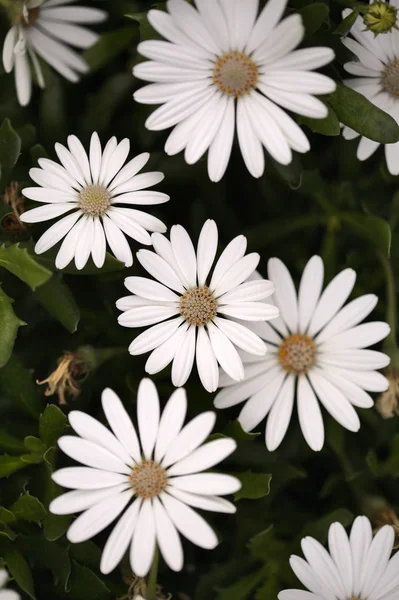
109	46
37	152
234	430
10	145
242	588
17	384
50	556
52	425
328	126
6	516
8	329
363	116
54	526
18	568
346	24
10	464
292	173
374	229
313	17
265	546
18	261
319	529
10	443
57	299
254	485
29	508
85	585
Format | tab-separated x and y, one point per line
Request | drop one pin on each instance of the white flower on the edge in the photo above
316	351
199	329
224	66
358	568
92	187
161	474
46	31
377	78
6	594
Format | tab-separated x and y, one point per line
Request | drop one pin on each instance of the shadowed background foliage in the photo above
325	203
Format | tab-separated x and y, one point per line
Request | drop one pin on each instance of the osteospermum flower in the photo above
156	477
47	30
226	67
6	594
355	568
377	78
204	308
316	352
93	187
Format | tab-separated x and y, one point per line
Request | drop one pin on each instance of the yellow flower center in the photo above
148	479
94	200
235	74
390	78
198	306
297	354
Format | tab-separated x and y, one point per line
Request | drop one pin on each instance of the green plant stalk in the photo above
152	578
390	345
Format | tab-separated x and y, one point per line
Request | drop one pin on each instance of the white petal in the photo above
154	336
141	198
8	49
310	579
116	161
148	415
225	352
355	394
165	352
99	244
257	407
140	316
250	145
206	250
249	291
309	291
359	360
340	551
233	252
207	483
334	401
190	437
349	316
297	595
95	157
207	365
143	544
47	212
221	146
206	456
174	111
189	20
237	273
309	413
79	153
51	195
68	246
69	163
85	478
78	500
360	336
241	336
120	423
92	455
237	392
210	503
50	180
305	58
184	253
204	133
360	540
117	242
285	294
109	150
150	289
268	130
332	299
130	170
56	232
377	558
97	518
267	20
119	539
75	14
280	415
23	79
184	358
250	311
302	104
322	564
85	242
160	270
191	525
167	537
171	422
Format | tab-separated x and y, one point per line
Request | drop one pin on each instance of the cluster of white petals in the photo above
47	30
160	470
6	594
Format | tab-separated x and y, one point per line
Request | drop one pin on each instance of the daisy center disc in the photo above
148	479
235	74
198	306
390	78
94	200
297	354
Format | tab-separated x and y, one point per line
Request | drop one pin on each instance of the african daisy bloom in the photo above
6	594
156	476
377	78
357	567
224	67
91	188
316	353
47	30
204	325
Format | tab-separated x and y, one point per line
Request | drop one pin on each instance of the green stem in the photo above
391	316
152	578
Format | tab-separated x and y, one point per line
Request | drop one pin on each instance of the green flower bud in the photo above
380	17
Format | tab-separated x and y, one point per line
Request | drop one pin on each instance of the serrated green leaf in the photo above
10	464
109	46
17	384
18	568
363	116
6	516
10	145
52	425
54	526
313	17
8	329
254	485
10	443
57	299
346	24
29	508
374	229
18	261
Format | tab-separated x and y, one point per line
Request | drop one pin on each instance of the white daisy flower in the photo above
161	474
92	187
316	351
6	594
355	568
222	65
47	31
377	78
204	326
